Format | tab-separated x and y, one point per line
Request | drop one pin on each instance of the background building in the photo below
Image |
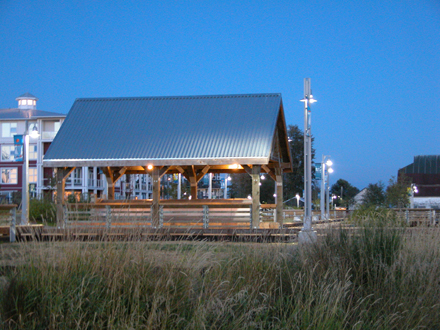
424	172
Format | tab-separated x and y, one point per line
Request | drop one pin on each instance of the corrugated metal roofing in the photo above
426	164
20	114
178	128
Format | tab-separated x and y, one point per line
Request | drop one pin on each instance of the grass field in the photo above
379	277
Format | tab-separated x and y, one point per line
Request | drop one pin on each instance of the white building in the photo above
83	180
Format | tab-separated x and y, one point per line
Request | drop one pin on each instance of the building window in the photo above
32	151
9	129
9	175
33	175
8	153
57	126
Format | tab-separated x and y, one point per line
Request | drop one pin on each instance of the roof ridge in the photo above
180	97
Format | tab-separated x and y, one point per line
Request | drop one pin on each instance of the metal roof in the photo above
423	164
27	96
22	114
181	130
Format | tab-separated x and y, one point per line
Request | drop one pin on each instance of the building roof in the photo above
426	164
27	96
181	130
22	114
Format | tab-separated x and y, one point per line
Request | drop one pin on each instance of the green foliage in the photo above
294	182
397	192
375	195
241	187
42	211
345	192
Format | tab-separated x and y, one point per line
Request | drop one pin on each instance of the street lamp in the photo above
25	184
326	162
307	234
330	170
297	200
227	178
414	190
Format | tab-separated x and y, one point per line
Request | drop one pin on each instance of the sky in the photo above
374	65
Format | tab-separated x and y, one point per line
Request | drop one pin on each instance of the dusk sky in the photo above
374	65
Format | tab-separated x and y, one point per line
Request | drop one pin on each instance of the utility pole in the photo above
307	234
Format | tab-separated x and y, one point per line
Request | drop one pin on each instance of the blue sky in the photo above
374	65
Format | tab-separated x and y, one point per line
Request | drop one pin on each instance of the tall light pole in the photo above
307	234
326	162
327	215
227	178
25	174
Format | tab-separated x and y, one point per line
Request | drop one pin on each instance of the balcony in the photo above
48	135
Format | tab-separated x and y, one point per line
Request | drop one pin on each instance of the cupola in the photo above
27	102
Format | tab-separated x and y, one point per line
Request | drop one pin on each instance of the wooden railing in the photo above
234	213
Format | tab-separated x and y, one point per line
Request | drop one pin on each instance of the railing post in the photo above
407	216
108	216
160	216
433	218
65	217
250	217
12	229
205	216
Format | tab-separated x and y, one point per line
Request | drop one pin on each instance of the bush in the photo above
42	211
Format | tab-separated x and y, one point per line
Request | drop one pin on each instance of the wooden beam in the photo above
269	172
202	173
156	197
61	175
255	175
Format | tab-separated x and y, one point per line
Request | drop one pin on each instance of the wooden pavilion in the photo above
191	135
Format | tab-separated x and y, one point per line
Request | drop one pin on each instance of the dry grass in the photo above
380	278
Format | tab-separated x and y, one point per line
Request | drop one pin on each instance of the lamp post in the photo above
297	200
227	178
307	234
327	215
414	190
25	184
326	162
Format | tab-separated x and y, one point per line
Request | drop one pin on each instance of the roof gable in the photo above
207	129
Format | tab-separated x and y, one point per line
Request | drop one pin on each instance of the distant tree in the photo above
375	194
345	192
397	192
294	182
241	187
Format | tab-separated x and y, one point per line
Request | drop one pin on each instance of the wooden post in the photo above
255	175
61	174
156	197
279	208
205	216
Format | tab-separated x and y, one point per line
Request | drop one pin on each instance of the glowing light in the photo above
249	197
330	170
329	163
262	177
150	167
233	166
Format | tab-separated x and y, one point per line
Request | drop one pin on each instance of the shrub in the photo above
42	211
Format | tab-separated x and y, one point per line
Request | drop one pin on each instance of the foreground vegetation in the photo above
381	277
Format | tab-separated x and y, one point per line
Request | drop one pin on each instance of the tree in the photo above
294	182
345	192
397	192
375	194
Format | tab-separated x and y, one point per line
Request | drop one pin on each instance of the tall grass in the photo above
375	278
